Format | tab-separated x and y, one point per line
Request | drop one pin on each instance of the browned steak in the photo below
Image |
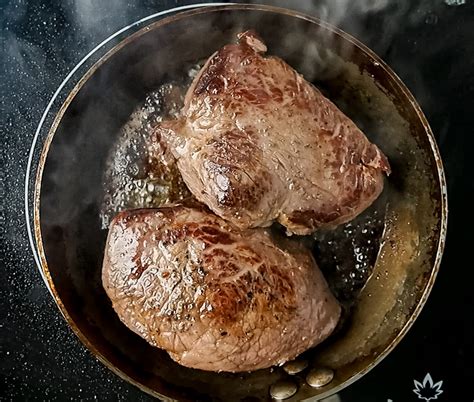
256	142
213	296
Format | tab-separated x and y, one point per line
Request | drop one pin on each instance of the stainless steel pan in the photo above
69	192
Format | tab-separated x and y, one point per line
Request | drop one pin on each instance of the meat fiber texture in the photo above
256	142
215	297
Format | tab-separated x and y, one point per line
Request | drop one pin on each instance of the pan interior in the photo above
71	193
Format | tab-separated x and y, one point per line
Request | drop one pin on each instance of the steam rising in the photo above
97	20
92	15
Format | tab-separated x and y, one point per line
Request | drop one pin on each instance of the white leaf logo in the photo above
428	390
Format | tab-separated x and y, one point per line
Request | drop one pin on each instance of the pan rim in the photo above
212	7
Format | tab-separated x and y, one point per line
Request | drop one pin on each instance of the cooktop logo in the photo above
428	390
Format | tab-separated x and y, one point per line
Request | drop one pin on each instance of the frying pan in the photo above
69	191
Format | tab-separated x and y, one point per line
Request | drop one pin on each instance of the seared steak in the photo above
256	142
213	296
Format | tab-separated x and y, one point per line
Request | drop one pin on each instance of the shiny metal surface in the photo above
319	377
283	389
295	366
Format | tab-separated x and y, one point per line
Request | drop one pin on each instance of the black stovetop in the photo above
429	43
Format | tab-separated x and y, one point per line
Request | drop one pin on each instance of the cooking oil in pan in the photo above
132	178
346	255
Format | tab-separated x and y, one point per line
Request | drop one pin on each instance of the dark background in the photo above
429	43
